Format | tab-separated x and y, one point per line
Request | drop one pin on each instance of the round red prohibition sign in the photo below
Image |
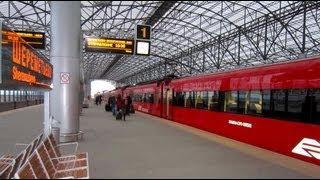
64	78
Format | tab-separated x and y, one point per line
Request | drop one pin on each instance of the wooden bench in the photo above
41	165
6	164
21	158
57	156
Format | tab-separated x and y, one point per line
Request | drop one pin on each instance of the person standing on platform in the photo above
113	105
100	99
124	108
97	100
119	103
129	104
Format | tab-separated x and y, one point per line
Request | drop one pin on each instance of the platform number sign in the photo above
142	40
143	32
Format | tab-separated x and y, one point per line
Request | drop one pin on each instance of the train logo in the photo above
308	147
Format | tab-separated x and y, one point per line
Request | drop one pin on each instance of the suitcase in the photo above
107	107
119	115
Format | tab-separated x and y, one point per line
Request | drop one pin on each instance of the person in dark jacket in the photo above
124	108
129	105
119	104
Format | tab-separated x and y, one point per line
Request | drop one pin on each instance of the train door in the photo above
167	102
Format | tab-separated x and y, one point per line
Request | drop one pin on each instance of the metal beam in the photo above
163	8
158	14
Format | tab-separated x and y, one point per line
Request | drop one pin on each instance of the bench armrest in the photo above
21	144
75	146
64	157
68	177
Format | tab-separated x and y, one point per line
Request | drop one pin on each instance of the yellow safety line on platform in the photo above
303	167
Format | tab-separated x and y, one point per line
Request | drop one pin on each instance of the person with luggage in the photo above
119	103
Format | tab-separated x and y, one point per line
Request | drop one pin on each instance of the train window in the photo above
231	101
151	98
144	98
266	98
213	100
205	99
296	103
158	97
295	100
139	97
314	98
279	99
174	98
179	99
136	97
199	100
242	102
254	105
279	103
189	99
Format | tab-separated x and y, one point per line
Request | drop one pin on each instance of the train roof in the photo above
244	69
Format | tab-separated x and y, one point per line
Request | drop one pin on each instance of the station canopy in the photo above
187	37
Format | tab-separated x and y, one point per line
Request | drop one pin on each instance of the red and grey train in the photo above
276	107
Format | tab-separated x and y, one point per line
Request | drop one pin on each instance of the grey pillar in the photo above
81	74
46	122
65	57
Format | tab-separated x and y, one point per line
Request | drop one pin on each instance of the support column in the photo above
81	75
65	57
46	122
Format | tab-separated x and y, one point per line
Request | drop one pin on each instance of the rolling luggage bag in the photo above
107	107
119	115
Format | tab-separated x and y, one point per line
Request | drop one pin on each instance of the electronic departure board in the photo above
35	39
20	65
109	45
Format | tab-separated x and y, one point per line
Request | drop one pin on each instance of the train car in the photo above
276	107
146	98
108	95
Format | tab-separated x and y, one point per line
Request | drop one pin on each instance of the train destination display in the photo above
21	66
109	45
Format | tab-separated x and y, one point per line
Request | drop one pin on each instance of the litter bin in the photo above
55	130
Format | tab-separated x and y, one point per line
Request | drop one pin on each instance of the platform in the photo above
145	146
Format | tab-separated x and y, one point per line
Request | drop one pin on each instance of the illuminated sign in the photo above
35	39
109	45
21	66
143	47
143	32
142	38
